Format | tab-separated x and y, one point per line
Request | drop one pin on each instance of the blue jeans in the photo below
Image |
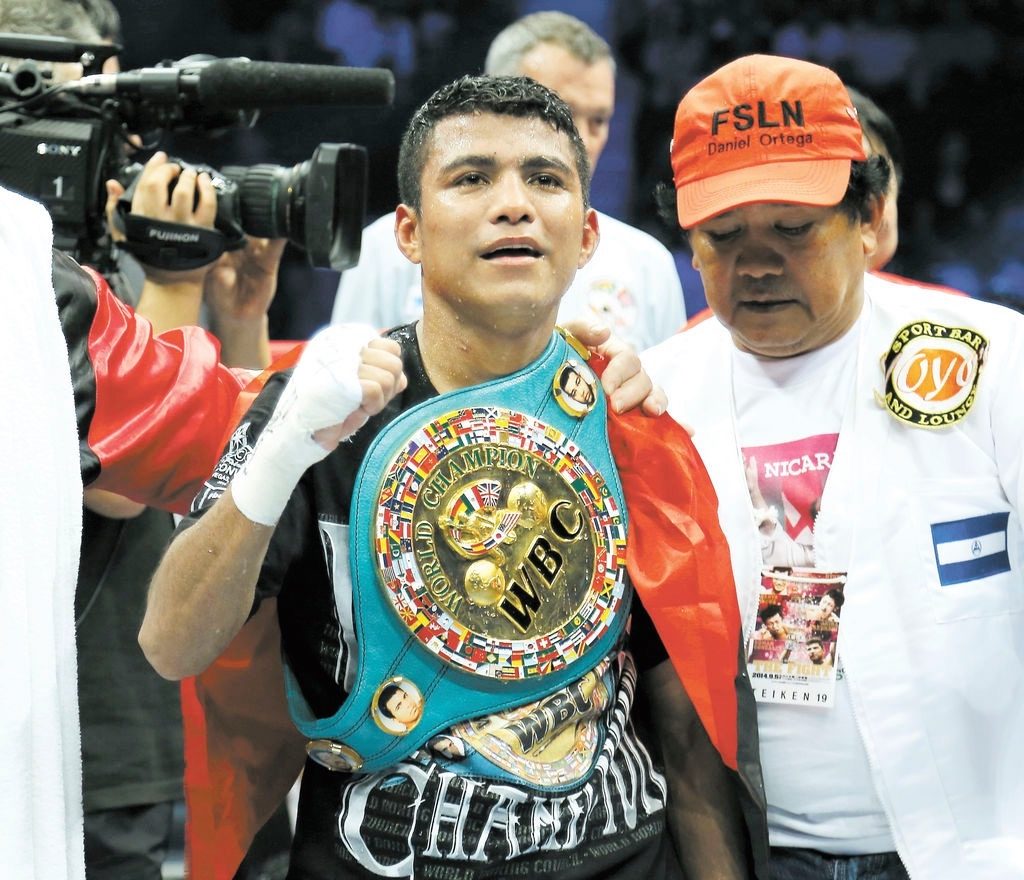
808	864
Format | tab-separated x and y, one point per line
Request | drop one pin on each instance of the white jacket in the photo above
40	534
630	283
936	673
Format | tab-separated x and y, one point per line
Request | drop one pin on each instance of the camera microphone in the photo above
235	83
240	84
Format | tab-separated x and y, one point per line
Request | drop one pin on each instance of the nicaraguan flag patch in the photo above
969	549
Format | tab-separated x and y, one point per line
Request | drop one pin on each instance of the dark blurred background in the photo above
951	75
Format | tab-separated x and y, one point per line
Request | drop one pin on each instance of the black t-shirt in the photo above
424	817
132	749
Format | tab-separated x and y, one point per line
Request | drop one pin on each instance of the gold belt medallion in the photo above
498	543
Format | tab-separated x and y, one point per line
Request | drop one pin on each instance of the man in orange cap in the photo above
881	429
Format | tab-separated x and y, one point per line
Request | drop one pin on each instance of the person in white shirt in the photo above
631	284
883	420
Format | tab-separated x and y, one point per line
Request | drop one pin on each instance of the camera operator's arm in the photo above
111	505
168	300
204	588
238	292
151	411
167	192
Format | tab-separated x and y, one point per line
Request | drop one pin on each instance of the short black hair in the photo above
770	611
104	17
814	640
504	95
869	180
879	128
386	693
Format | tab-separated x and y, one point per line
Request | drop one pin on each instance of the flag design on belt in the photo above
477	525
486	493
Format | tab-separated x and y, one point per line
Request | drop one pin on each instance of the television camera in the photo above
59	143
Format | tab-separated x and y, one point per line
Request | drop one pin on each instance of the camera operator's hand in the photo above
166	191
168	299
238	291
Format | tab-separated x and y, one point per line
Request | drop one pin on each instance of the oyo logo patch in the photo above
931	373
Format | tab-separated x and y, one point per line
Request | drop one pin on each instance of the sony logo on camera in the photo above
44	149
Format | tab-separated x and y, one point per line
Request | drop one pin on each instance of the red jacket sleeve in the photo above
151	410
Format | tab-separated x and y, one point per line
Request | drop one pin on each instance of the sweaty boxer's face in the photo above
784	279
501	228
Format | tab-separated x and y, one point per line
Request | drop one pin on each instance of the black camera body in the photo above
63	163
59	143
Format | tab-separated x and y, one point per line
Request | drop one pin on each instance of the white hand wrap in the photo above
323	391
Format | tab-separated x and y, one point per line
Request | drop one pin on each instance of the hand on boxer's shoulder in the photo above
624	379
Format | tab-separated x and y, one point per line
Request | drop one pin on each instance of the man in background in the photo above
882	139
631	284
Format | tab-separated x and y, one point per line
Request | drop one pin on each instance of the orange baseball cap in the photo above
763	129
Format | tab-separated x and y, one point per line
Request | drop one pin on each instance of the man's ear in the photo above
694	259
407	232
871	225
591	236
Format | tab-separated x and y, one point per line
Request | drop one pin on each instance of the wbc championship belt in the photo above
488	553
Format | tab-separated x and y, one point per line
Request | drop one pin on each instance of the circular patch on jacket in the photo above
499	544
931	373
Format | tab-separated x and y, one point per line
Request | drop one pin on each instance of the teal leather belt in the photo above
488	552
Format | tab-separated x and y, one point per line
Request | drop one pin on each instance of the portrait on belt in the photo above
397	706
575	388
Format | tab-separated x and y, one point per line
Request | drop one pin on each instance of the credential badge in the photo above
931	373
